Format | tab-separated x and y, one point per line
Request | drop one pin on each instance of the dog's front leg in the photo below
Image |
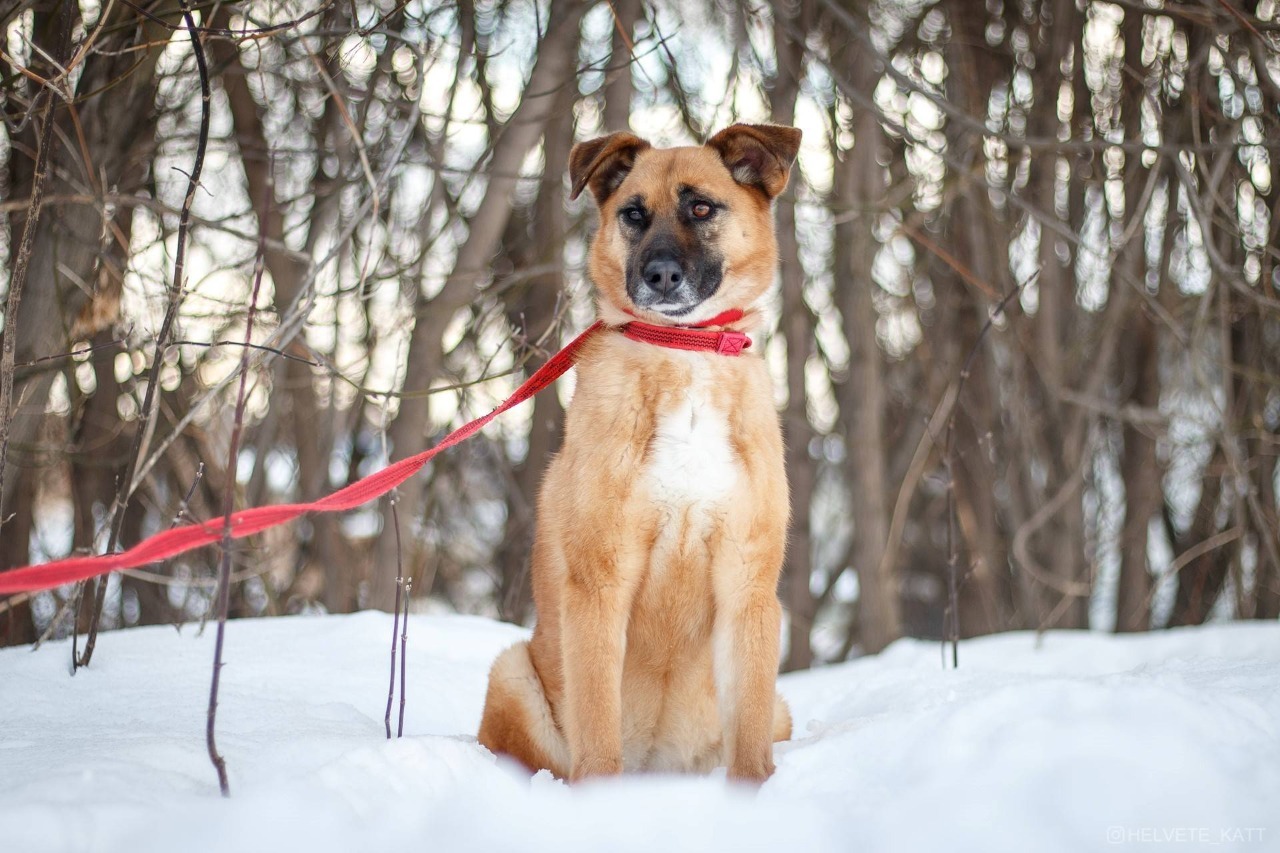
748	618
595	608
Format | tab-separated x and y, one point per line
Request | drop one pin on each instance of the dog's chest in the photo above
691	460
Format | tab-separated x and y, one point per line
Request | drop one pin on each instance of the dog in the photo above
661	524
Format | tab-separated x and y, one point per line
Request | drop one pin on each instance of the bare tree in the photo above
1074	198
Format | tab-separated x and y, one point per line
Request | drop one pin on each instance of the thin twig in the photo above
149	403
75	353
404	642
1068	589
196	583
951	616
915	472
137	574
17	280
47	363
263	347
293	317
184	508
222	599
357	141
395	624
228	506
246	33
52	627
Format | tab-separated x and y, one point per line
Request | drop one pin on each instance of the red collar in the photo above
697	338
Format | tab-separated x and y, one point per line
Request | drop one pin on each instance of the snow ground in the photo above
1087	742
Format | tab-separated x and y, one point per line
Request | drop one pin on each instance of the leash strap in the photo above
249	521
246	522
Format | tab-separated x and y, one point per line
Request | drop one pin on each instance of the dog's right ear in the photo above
603	164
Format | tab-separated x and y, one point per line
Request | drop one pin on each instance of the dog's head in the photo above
685	233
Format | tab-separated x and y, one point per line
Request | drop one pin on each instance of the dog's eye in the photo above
634	215
701	210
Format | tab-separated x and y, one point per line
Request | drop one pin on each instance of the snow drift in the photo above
1075	742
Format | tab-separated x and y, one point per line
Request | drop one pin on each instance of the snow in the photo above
1077	742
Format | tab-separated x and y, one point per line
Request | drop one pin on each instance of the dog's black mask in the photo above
671	267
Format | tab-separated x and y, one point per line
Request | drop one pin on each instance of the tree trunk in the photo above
1062	538
69	238
1200	581
974	275
619	86
797	327
1140	468
312	444
532	310
17	627
859	187
553	68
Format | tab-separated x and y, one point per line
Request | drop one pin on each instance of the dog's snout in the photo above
663	275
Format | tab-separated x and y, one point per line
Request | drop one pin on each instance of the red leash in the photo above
249	521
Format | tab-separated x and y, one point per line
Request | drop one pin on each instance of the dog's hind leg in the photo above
517	719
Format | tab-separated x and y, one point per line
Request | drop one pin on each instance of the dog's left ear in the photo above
758	155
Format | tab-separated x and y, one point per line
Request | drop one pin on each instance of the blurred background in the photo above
1100	453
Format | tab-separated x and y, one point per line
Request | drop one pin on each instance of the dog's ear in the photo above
758	155
603	163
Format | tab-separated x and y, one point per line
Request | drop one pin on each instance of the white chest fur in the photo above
691	460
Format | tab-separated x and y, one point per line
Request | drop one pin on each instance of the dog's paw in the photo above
752	772
588	768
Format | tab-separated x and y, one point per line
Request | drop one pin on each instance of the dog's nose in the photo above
663	275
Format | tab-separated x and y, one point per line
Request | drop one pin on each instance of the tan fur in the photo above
656	646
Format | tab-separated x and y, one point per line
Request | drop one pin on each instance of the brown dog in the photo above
662	522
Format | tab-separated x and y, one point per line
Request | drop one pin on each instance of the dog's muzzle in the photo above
662	282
